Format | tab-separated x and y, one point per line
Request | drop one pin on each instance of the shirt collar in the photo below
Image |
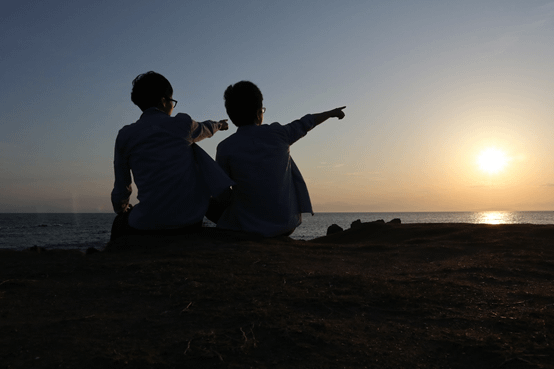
247	128
151	111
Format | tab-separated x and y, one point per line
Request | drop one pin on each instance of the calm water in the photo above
316	226
53	230
50	230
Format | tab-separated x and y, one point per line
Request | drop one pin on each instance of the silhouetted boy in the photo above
269	194
160	153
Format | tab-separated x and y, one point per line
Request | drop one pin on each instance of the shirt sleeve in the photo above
202	130
298	129
198	130
122	188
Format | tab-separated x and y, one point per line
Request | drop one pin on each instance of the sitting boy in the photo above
269	195
160	153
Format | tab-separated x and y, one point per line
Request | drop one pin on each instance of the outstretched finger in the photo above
340	114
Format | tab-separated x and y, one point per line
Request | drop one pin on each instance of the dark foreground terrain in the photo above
378	296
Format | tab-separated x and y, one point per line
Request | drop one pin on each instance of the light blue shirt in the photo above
270	194
158	150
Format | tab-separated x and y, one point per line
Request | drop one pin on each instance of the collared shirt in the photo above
270	194
157	149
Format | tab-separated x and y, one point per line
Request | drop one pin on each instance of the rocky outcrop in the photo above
334	228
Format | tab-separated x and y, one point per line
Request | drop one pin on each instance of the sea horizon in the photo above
317	212
83	230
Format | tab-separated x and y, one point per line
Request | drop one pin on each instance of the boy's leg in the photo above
120	226
215	210
218	205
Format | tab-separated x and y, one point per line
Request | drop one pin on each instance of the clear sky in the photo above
428	85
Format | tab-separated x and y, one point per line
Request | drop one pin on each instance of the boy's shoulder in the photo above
156	118
275	126
184	117
254	130
263	132
228	140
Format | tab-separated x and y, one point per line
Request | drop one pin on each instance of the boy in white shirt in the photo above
160	153
269	195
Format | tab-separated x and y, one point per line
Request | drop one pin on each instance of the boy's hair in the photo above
149	88
242	102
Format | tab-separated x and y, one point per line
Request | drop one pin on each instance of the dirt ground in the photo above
378	296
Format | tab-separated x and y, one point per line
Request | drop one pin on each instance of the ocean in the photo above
80	230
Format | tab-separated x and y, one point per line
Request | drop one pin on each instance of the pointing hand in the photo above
338	113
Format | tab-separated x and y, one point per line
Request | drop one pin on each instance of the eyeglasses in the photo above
263	110
173	101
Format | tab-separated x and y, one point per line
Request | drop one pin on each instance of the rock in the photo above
333	228
91	250
356	224
37	249
396	221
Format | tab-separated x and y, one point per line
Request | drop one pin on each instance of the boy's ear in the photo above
160	103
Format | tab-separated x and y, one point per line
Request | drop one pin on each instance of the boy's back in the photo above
269	194
157	148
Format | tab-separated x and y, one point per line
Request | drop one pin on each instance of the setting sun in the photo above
492	160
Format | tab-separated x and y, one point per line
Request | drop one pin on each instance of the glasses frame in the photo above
173	101
263	110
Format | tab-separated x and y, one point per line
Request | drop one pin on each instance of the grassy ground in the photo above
379	296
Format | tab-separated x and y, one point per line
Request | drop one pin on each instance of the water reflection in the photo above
496	217
316	226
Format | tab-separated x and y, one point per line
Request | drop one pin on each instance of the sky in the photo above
429	86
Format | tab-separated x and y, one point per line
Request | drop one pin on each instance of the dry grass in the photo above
379	296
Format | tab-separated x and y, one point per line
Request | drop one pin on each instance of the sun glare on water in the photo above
492	160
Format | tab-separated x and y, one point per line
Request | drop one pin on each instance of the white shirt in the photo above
158	150
270	193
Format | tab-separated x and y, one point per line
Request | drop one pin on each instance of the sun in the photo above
492	160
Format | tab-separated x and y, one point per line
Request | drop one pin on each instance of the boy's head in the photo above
149	89
243	102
